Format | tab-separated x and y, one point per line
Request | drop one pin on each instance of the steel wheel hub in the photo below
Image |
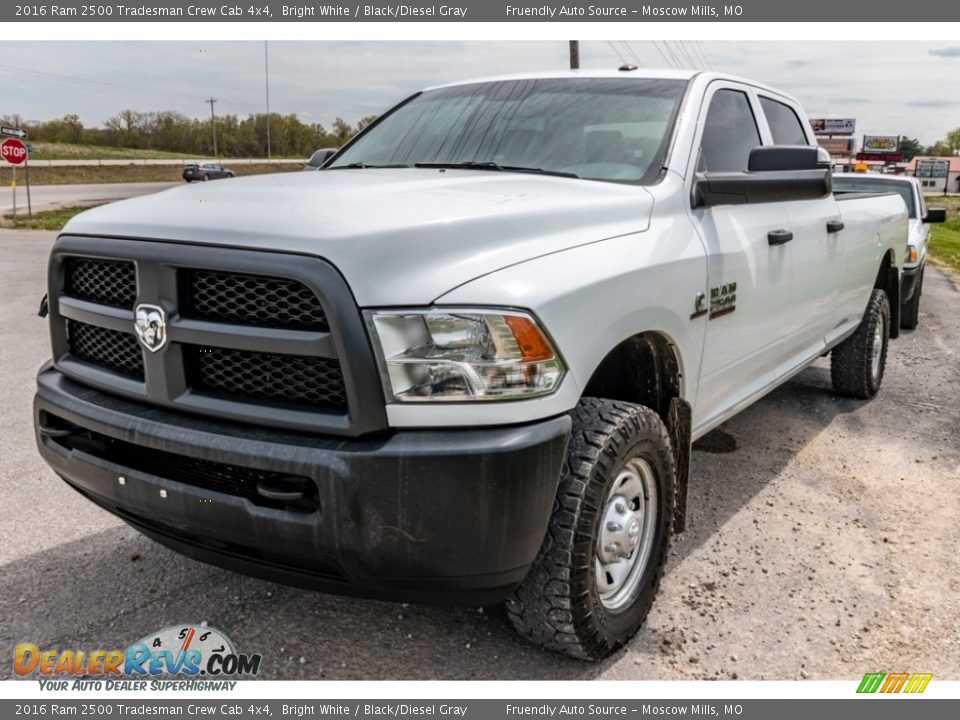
627	533
878	335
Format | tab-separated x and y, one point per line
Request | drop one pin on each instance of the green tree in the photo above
364	121
910	147
950	145
342	131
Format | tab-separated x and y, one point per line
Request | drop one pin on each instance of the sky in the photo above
906	88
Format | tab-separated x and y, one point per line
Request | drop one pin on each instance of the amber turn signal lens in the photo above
533	345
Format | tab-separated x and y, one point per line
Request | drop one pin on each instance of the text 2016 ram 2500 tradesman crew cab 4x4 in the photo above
464	361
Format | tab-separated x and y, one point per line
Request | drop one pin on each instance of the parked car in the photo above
908	188
466	364
319	157
205	171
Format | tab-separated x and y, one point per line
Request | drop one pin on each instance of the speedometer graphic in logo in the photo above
184	638
189	650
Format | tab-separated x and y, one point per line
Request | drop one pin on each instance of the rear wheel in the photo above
910	310
206	177
857	364
600	565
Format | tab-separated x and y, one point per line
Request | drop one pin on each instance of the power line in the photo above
703	51
675	55
688	50
617	52
633	52
662	54
75	80
682	54
696	55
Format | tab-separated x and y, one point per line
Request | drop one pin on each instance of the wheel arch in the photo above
646	368
888	280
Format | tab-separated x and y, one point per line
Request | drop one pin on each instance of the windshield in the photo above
594	128
876	185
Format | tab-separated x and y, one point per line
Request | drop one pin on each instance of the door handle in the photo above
779	237
834	226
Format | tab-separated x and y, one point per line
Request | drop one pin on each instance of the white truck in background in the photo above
918	235
465	360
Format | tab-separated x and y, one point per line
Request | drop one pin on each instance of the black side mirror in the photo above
776	173
786	158
320	157
935	215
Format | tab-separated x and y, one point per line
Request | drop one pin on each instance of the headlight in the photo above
454	355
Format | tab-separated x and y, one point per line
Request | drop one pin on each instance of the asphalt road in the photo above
823	543
45	197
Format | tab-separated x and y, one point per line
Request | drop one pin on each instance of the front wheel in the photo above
599	568
205	178
857	364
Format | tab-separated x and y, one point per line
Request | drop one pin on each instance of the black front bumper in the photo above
445	516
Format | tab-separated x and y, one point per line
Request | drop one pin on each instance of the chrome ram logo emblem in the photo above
151	326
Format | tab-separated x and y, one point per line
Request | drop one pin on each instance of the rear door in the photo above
748	278
816	248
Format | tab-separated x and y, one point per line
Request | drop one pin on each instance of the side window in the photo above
729	134
784	123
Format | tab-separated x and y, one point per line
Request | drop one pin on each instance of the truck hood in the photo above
399	236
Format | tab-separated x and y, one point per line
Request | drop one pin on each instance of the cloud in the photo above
932	103
947	52
321	80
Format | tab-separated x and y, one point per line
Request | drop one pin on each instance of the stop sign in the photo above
13	151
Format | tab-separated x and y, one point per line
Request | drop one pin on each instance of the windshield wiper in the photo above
490	165
362	165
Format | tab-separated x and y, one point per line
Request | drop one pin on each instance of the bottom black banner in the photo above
871	708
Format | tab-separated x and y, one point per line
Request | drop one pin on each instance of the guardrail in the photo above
142	161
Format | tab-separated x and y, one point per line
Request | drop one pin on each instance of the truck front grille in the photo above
299	379
254	300
108	282
110	349
250	336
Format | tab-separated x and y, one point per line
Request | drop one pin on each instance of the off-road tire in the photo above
852	361
558	606
910	310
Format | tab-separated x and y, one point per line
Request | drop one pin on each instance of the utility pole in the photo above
266	74
574	54
213	125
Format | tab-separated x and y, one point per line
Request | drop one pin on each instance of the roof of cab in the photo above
704	77
640	73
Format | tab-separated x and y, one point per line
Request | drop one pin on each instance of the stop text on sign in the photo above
13	151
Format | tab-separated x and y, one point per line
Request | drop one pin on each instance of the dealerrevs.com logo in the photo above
183	651
910	683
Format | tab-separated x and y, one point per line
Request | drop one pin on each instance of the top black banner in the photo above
483	11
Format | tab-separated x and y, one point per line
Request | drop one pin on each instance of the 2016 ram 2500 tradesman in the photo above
465	361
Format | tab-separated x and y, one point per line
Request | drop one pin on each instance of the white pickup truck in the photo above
465	361
918	235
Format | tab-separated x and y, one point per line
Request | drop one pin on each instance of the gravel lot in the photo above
824	542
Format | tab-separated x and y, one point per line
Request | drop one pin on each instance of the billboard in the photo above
837	146
933	168
881	143
833	126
